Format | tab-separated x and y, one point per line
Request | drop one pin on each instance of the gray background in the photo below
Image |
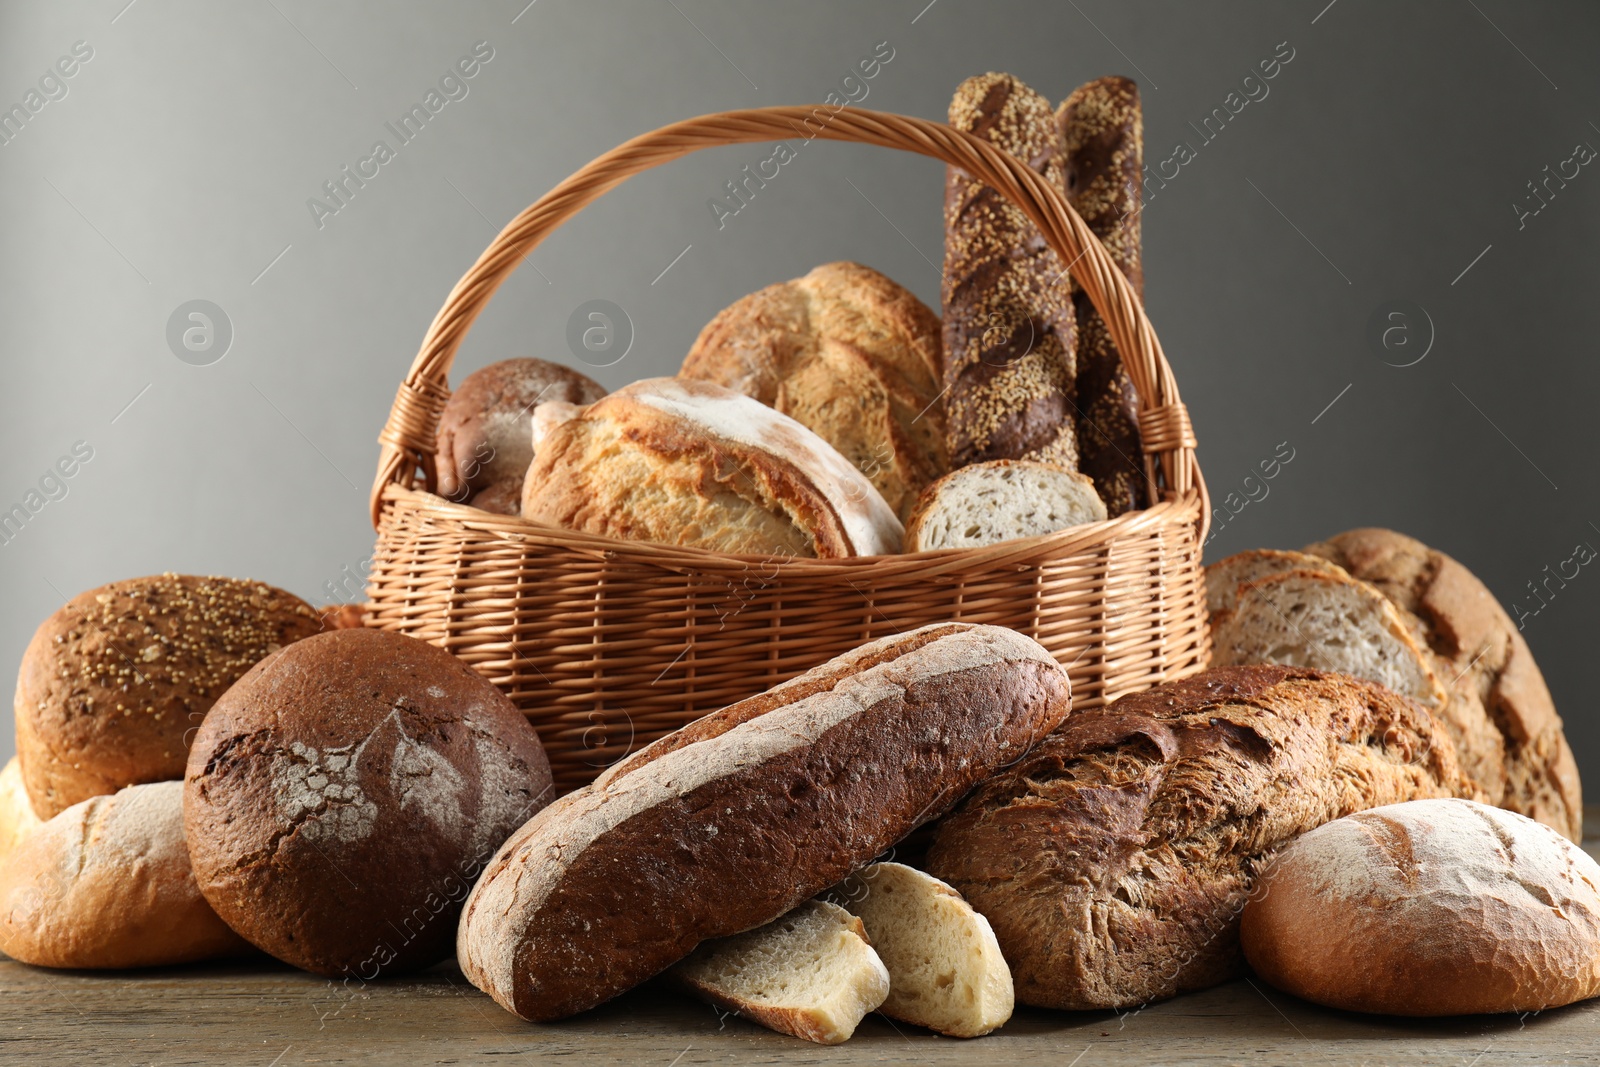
1382	165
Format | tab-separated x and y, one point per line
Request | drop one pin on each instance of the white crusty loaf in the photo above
810	974
1433	907
945	967
1225	577
1328	621
1003	499
692	463
17	818
735	819
107	884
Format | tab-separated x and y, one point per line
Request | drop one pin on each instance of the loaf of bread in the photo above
342	616
1435	907
810	974
692	463
1006	295
484	438
1102	129
1000	500
1500	711
1113	860
114	684
107	884
945	967
1226	577
848	354
738	817
343	796
17	818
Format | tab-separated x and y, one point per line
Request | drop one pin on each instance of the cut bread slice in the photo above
1003	499
1224	577
945	967
810	973
1331	622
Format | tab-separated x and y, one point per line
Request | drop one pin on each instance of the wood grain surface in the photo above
272	1016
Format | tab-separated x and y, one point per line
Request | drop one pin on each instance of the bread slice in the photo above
945	967
810	973
1330	622
1003	499
1224	577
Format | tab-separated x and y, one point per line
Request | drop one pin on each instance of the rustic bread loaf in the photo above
1225	577
692	463
342	616
1434	907
114	684
1102	130
342	797
17	818
738	817
1507	731
1328	621
1006	295
107	884
1003	499
1113	859
501	498
945	967
848	354
484	436
810	974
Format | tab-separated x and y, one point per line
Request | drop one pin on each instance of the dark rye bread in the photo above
1500	711
113	685
1102	127
1008	319
739	817
1114	859
343	796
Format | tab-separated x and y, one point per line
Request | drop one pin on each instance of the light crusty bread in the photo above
1500	711
810	973
1003	499
107	884
17	818
1436	907
945	967
1330	622
691	463
735	819
1224	577
848	353
1113	860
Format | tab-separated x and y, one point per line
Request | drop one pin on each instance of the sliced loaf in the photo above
1224	577
986	503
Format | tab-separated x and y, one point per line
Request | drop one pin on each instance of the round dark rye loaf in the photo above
1505	724
1102	126
1008	325
734	820
1113	861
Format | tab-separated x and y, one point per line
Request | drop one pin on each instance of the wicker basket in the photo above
608	645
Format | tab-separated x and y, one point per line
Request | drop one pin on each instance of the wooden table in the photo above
272	1016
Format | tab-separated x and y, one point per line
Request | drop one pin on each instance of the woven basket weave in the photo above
607	645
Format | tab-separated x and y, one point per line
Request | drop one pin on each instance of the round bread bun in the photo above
343	796
486	430
17	818
114	684
1431	907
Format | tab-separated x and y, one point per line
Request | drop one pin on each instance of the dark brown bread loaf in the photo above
114	684
1008	319
342	797
1500	711
737	818
1114	859
1102	126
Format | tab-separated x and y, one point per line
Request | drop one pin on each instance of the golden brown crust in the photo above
342	616
1008	318
114	684
1500	711
847	353
1102	126
17	817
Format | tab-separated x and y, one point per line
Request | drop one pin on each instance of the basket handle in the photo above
1166	432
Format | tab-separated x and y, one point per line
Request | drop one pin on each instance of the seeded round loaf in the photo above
114	684
342	798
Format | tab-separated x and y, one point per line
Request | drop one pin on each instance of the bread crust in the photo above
1113	860
17	817
771	801
114	684
1500	711
1225	577
849	354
